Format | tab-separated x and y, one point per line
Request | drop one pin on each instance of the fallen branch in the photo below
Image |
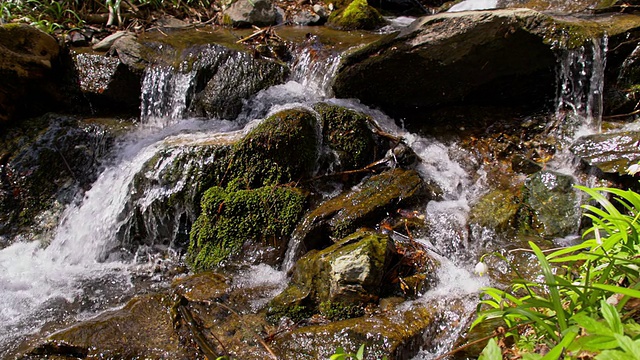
636	112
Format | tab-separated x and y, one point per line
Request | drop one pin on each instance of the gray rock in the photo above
306	17
245	13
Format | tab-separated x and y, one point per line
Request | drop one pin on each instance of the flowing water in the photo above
84	268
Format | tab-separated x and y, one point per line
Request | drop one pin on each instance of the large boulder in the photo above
43	163
467	58
28	62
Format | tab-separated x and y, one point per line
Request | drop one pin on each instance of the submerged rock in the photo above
611	153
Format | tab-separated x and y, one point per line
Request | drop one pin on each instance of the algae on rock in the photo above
229	219
347	133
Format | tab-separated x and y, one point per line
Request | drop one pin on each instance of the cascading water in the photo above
580	86
88	244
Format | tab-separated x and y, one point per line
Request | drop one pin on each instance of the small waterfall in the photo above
85	242
315	68
580	86
165	95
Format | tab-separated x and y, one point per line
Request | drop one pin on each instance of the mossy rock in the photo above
347	133
358	15
283	148
349	273
229	219
497	210
552	205
365	205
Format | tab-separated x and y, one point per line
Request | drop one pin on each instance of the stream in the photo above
84	268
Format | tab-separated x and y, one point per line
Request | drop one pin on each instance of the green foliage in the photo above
570	309
341	354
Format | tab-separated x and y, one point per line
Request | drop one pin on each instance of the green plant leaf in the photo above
614	355
553	289
360	353
491	351
611	316
618	289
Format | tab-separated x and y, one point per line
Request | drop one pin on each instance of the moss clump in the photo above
336	311
282	149
347	133
358	15
230	218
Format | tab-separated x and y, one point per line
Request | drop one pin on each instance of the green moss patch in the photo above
358	15
282	149
230	218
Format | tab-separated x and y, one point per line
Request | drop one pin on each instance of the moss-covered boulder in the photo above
611	153
231	219
349	273
365	205
357	15
283	148
347	133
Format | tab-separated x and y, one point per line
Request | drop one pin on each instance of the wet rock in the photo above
364	205
106	43
29	59
229	219
143	328
395	333
281	149
132	53
552	204
108	84
444	50
497	210
348	134
229	77
358	14
350	272
306	18
206	286
43	163
611	152
245	13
